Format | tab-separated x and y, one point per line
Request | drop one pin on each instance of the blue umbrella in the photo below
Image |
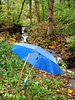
41	58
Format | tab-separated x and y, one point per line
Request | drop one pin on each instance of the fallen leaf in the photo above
40	78
41	82
70	91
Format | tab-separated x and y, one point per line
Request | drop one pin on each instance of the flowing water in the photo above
24	34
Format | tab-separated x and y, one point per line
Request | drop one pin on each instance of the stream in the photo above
25	33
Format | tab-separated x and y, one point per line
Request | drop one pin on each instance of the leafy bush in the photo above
64	19
71	42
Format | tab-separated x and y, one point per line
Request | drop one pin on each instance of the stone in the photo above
72	83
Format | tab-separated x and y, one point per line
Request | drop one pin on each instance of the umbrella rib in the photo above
31	68
33	65
23	66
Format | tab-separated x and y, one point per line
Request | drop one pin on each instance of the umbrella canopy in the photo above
45	60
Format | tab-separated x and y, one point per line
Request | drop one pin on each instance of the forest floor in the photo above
58	86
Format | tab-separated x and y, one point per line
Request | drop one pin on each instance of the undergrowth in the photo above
41	85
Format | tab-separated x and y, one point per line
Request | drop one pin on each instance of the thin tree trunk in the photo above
36	6
8	13
69	4
0	6
50	18
38	12
43	9
60	1
21	11
30	12
14	12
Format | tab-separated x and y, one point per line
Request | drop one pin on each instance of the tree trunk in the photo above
21	11
43	9
60	1
69	4
38	12
50	18
36	6
8	12
30	12
0	6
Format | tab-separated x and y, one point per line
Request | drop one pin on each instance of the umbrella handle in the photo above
25	80
22	86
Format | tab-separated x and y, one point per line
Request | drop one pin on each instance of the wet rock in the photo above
72	83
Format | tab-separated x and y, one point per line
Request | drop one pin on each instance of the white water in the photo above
24	35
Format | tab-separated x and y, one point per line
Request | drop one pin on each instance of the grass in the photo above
40	86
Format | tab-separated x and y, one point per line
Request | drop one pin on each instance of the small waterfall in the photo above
25	33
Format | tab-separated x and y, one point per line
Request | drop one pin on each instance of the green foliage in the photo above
2	38
71	42
14	10
64	18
